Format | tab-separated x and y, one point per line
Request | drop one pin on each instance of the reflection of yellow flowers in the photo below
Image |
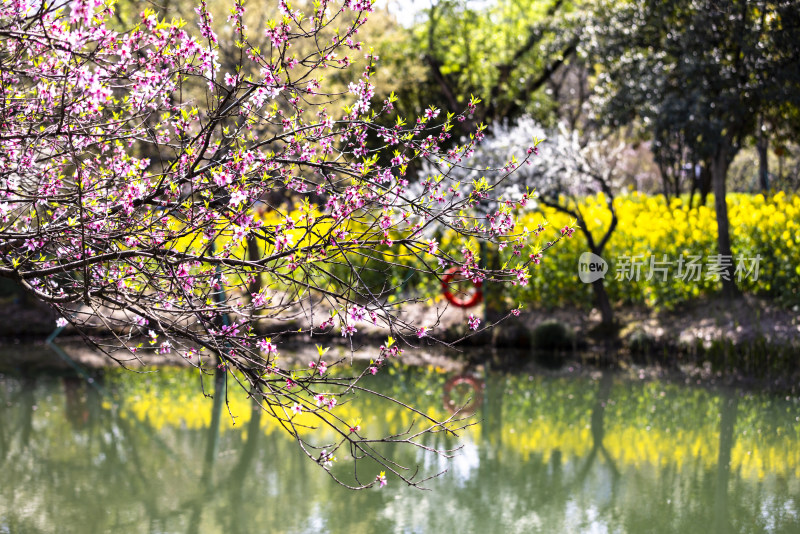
532	426
176	402
638	447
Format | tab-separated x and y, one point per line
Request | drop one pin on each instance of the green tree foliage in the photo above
699	71
505	52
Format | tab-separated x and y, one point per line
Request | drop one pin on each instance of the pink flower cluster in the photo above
139	180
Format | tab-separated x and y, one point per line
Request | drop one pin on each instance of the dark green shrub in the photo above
552	335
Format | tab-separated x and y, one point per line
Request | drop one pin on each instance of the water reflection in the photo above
546	455
728	407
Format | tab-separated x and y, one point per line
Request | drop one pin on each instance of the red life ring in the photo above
477	395
470	301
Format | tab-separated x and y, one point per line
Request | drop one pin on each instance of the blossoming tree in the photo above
567	170
136	174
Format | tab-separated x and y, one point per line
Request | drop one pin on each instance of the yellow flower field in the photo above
662	239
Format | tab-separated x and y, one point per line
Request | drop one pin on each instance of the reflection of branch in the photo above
362	448
148	498
212	445
728	407
28	401
26	423
349	438
584	471
123	440
237	475
250	447
598	419
611	463
3	444
598	427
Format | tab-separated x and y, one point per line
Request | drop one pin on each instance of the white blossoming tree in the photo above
566	169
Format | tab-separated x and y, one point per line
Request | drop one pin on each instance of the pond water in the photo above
130	453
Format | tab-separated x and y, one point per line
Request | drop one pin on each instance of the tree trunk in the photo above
695	177
603	304
719	172
763	161
662	170
253	255
705	182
